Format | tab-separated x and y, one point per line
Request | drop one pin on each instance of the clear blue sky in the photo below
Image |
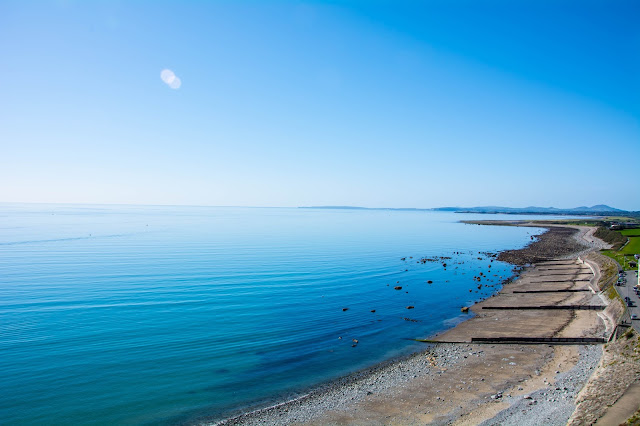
290	103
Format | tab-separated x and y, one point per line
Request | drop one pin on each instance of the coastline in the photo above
419	388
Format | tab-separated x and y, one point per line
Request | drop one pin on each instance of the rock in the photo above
464	309
410	307
398	287
429	282
345	309
373	310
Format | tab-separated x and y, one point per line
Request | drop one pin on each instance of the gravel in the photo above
550	405
388	378
553	404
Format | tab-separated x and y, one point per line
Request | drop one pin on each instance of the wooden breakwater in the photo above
556	340
557	307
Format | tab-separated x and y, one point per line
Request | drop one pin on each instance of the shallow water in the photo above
130	315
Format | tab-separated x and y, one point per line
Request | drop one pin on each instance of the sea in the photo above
169	315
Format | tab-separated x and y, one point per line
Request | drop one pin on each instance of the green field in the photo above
630	232
625	254
633	246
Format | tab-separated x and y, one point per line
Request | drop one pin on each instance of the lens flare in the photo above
170	79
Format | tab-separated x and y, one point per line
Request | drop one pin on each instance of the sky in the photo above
306	103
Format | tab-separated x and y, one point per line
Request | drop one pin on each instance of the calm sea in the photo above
135	315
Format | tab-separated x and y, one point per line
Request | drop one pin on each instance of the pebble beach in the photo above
462	383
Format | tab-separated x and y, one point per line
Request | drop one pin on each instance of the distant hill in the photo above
599	209
363	208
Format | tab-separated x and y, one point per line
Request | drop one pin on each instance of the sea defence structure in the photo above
520	312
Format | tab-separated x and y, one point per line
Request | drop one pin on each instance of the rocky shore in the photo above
470	383
555	243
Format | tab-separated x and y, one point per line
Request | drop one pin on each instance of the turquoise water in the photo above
134	315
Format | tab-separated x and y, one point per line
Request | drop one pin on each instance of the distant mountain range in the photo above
599	209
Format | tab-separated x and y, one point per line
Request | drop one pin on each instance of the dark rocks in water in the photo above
412	320
403	258
373	310
345	309
410	307
397	287
444	264
429	282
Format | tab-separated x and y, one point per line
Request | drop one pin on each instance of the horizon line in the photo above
335	207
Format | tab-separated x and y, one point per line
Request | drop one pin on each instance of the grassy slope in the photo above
615	238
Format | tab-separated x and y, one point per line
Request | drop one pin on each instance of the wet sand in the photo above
468	383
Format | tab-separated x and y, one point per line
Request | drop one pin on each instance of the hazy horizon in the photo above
307	207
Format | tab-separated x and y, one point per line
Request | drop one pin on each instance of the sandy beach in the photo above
484	371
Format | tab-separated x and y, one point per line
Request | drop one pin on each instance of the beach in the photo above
458	379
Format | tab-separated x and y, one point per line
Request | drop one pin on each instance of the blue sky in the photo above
283	103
